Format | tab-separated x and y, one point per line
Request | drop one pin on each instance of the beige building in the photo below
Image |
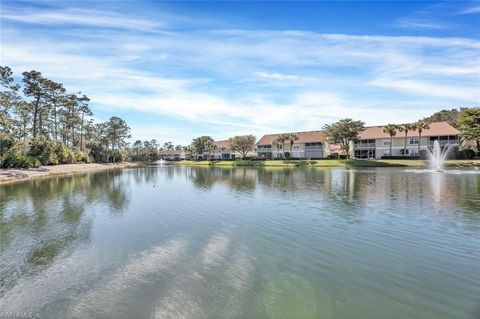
308	146
223	151
374	143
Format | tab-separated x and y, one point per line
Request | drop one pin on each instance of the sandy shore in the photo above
16	175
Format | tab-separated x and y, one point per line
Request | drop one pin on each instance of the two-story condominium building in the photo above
309	145
223	151
374	143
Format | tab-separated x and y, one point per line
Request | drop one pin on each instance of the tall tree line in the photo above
41	112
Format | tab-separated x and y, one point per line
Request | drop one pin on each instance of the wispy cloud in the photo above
86	17
419	24
470	10
227	81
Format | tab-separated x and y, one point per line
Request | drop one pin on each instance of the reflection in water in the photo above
108	298
193	242
50	220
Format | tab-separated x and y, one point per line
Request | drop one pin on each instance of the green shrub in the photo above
19	161
55	152
302	163
80	157
465	154
6	143
45	150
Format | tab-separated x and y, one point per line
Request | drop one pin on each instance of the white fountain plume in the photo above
438	156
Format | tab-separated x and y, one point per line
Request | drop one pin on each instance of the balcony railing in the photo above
443	142
365	145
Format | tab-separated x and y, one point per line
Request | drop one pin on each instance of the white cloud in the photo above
470	10
241	81
424	88
419	24
86	17
278	76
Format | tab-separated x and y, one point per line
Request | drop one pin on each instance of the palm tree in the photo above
391	129
292	138
210	146
281	139
420	126
407	127
277	144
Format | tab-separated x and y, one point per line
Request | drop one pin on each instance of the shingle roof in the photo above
303	137
436	129
371	132
222	144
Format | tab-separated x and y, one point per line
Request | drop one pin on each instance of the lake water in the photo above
184	242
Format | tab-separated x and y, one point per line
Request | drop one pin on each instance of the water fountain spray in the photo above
438	156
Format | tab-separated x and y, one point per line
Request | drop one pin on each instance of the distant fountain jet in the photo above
438	156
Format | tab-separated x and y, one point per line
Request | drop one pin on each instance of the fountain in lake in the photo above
438	156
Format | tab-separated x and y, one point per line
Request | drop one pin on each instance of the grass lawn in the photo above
329	163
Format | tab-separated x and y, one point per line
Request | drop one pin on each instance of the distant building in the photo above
172	155
374	143
223	151
309	145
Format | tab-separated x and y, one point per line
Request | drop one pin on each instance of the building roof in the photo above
371	132
436	129
303	137
222	144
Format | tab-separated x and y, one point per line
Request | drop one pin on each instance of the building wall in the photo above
299	150
382	148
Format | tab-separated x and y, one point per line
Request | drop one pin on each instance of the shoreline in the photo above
328	163
15	175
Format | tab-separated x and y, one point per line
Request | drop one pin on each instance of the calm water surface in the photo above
182	242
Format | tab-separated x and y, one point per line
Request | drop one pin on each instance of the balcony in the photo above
365	145
445	142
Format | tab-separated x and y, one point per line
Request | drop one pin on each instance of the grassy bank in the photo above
330	163
12	175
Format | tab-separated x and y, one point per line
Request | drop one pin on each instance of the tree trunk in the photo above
24	130
55	121
40	124
478	145
73	135
419	141
405	146
35	116
81	134
391	142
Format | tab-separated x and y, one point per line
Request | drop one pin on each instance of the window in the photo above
413	141
387	142
313	144
296	147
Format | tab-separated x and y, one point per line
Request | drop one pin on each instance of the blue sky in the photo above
177	70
